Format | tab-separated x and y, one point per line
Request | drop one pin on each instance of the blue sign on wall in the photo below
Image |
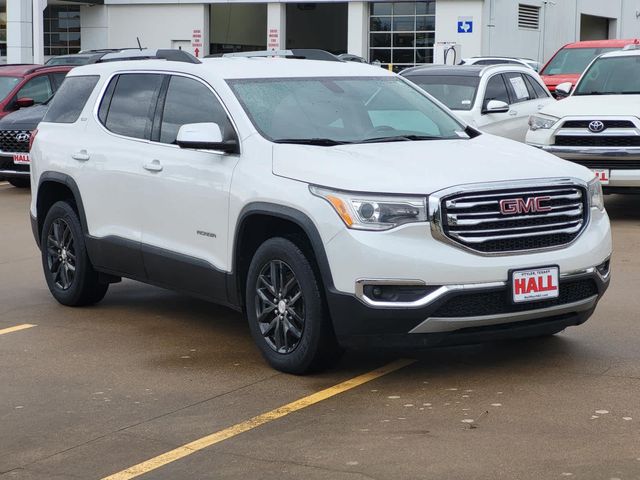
465	24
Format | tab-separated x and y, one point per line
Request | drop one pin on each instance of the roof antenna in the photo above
139	44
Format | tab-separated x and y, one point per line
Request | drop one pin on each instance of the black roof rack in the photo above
169	54
294	53
42	67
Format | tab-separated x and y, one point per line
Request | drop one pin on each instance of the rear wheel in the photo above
285	309
20	182
67	268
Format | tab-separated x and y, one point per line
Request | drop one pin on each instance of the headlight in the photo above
540	122
364	211
596	198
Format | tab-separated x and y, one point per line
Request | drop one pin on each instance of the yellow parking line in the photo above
17	328
217	437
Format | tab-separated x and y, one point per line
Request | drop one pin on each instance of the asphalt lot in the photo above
87	393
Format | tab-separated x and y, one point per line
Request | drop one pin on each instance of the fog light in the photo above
604	269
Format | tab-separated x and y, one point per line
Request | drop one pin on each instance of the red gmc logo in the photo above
514	206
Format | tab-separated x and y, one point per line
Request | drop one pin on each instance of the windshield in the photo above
611	76
333	110
456	92
6	85
573	60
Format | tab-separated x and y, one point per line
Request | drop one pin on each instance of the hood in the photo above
24	119
551	81
419	167
596	106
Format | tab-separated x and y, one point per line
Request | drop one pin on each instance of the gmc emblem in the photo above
515	206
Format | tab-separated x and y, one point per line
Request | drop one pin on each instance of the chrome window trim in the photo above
436	199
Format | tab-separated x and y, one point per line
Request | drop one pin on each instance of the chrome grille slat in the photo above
515	235
554	208
453	220
457	204
474	218
516	229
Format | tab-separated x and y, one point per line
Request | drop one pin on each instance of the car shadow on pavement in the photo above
623	207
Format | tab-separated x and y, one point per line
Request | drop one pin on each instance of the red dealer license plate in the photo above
535	284
21	159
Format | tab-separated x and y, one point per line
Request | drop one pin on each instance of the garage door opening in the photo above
595	28
238	27
317	25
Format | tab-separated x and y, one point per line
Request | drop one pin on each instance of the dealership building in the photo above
399	33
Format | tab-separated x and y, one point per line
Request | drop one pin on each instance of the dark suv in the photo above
23	86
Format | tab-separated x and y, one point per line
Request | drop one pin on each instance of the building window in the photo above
3	30
61	30
528	17
402	33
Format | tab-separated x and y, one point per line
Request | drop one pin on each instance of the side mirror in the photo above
564	89
496	106
204	136
25	102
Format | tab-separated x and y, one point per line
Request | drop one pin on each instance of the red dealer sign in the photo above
196	41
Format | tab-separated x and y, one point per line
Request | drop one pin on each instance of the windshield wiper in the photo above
400	138
323	142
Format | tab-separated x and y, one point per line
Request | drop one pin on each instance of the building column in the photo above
19	32
358	29
276	26
38	30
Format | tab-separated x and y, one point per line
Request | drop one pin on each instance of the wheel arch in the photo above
260	221
54	187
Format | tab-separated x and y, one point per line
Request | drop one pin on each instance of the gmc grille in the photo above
475	219
9	143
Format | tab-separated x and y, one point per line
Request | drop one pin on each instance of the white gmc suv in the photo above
333	203
598	126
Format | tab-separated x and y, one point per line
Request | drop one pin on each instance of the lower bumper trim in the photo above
447	324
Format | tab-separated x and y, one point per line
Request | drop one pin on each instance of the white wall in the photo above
447	13
158	26
560	24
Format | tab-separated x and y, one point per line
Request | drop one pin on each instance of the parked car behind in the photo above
496	99
25	85
568	63
15	134
598	126
527	62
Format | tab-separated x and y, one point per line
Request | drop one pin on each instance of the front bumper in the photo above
623	163
470	313
8	169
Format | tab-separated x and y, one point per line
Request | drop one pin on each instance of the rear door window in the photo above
129	105
69	101
496	90
39	89
518	90
58	78
190	101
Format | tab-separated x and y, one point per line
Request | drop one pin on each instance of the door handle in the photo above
513	113
153	166
81	156
540	107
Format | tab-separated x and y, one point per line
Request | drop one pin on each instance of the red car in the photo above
570	61
26	85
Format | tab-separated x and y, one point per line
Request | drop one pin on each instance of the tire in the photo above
67	268
20	182
294	333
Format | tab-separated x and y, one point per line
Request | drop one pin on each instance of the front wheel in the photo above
285	309
67	268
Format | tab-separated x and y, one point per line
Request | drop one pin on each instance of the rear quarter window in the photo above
69	101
